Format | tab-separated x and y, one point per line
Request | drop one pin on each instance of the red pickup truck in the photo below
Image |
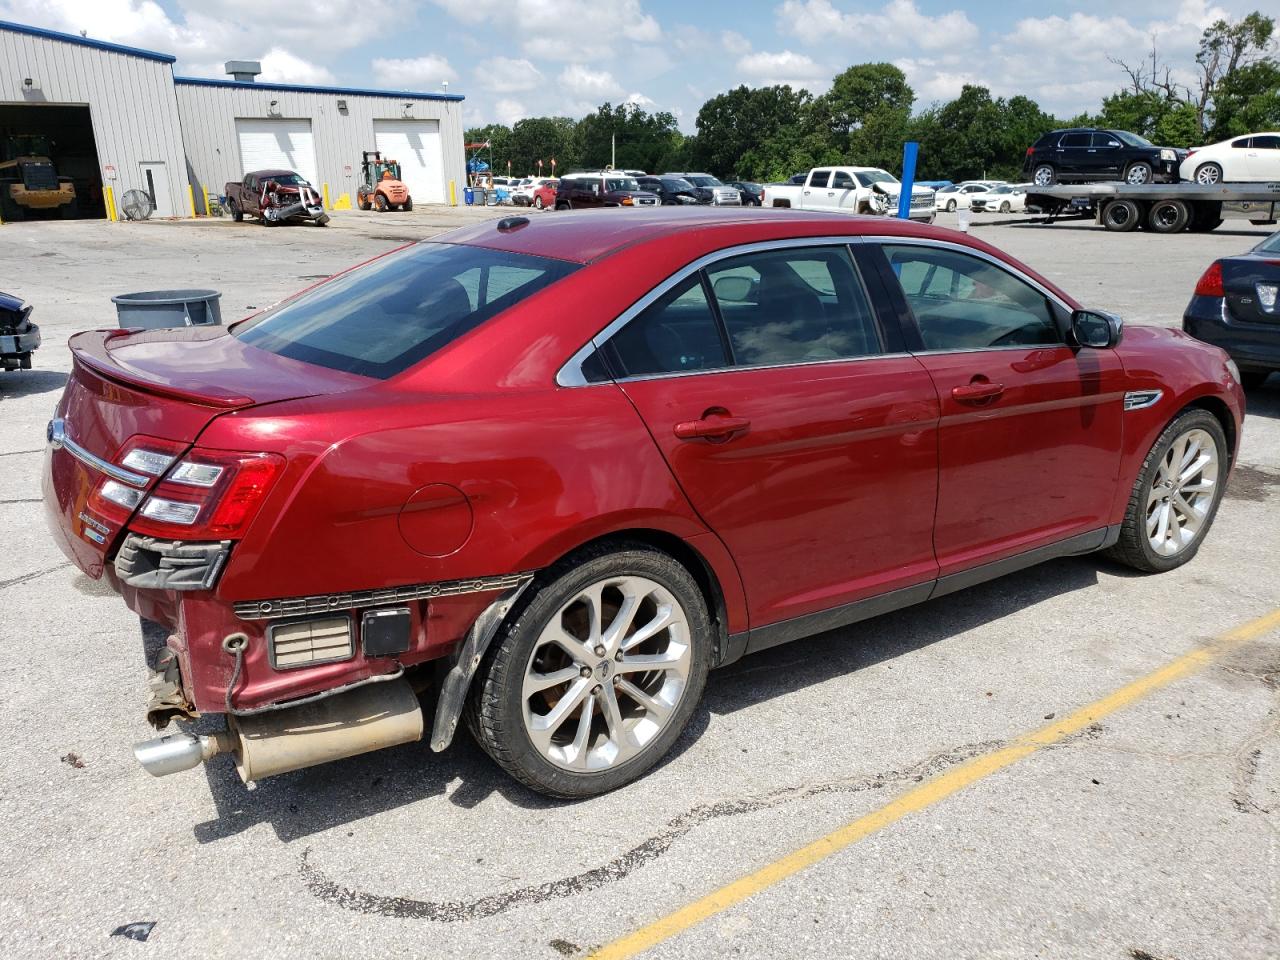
275	196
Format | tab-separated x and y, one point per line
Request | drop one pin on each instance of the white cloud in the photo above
898	23
570	30
508	111
735	42
590	84
504	75
416	73
796	69
281	66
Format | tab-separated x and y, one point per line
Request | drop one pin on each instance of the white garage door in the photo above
416	145
276	145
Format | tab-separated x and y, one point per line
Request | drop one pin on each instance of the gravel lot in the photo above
1154	833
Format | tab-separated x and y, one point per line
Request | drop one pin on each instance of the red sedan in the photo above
557	470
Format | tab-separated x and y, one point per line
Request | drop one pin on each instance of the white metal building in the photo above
118	119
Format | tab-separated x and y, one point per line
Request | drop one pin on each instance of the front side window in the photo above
963	302
625	184
842	181
1266	143
795	305
676	333
382	318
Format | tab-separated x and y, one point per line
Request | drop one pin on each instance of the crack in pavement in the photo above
15	453
450	911
28	500
31	576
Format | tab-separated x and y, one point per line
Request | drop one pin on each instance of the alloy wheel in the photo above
1043	176
1208	175
1182	492
1138	174
606	674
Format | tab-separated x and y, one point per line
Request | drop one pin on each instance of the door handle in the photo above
978	394
711	427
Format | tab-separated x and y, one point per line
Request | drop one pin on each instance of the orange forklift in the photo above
380	184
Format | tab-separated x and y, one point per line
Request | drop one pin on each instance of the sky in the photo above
519	58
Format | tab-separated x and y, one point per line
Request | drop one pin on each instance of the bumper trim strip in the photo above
324	603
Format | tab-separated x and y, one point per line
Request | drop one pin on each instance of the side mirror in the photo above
1094	328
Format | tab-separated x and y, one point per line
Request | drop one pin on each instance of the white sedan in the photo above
1240	159
1006	198
961	194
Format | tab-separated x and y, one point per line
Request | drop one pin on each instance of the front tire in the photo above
1138	173
594	680
537	203
380	201
1176	496
1004	207
951	206
407	205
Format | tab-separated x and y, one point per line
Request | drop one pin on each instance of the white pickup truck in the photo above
867	190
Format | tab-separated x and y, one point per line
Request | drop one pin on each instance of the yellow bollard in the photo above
109	200
327	204
453	194
206	200
191	199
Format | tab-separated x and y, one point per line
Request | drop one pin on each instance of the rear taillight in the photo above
209	494
1210	283
142	459
1030	151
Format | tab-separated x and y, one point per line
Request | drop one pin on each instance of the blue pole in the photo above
910	150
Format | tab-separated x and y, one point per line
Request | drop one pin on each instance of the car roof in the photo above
590	235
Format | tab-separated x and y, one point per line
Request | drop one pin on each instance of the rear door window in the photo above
1075	140
676	333
820	178
798	305
380	319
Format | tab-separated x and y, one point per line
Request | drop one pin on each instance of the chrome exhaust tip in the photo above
176	752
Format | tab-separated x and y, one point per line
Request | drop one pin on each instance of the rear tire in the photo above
1044	175
1163	483
537	203
1208	174
236	213
1169	216
621	721
1253	379
1121	216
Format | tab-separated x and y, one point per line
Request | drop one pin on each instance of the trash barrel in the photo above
468	196
154	309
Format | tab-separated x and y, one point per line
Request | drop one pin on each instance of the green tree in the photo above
545	139
744	122
1225	49
1247	100
645	141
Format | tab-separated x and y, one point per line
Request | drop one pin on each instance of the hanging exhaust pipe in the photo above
345	725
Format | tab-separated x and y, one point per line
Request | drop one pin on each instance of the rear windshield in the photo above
382	318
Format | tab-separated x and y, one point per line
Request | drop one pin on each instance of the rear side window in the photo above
820	178
962	302
799	305
381	319
1075	140
674	334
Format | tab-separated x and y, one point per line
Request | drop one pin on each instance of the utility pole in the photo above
613	151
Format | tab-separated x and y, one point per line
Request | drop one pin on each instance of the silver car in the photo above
710	190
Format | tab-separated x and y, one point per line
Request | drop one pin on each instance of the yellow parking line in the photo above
929	793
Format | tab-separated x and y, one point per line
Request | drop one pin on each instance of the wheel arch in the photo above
1222	413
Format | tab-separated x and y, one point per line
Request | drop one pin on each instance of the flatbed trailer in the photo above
1160	207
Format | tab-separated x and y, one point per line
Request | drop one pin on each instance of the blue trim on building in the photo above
301	88
86	42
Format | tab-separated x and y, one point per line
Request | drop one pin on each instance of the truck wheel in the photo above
1176	495
563	206
1205	216
236	213
1138	173
592	682
1208	174
1121	216
1044	175
1169	216
380	201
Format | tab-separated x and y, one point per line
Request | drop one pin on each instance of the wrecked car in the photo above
275	196
550	471
19	337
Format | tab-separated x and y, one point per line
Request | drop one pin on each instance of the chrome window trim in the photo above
743	368
570	374
60	439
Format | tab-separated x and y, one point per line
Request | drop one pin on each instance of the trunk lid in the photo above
1250	284
162	384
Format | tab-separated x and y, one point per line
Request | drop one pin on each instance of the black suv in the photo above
1087	153
586	191
670	190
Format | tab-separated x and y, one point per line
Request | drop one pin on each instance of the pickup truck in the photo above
275	196
868	190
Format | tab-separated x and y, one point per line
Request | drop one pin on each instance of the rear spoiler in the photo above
92	351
